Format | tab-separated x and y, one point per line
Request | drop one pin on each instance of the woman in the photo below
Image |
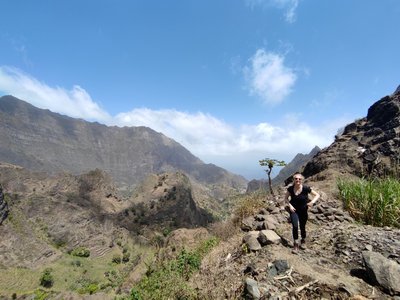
298	206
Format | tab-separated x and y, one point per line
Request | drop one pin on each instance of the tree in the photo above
270	163
47	279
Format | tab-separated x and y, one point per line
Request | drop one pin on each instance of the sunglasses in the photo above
297	179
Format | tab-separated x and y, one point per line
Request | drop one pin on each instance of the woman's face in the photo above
297	179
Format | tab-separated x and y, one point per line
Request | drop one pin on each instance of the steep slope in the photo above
50	216
369	146
45	141
299	161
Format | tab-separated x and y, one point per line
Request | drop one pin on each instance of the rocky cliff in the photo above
368	146
45	141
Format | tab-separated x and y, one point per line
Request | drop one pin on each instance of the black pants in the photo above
299	216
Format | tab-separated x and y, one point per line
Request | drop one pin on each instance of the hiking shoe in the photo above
295	248
303	244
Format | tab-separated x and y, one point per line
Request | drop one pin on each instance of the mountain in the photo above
132	238
52	218
41	140
295	165
367	147
299	161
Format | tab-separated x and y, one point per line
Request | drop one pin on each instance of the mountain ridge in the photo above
42	140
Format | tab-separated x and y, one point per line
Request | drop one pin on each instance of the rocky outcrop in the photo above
41	140
369	146
164	201
3	206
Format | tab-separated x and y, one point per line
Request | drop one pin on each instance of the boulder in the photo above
267	237
250	239
247	224
382	271
252	289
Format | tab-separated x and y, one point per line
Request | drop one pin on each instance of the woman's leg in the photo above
295	225
303	217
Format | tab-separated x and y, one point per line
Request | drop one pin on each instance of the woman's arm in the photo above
315	198
291	208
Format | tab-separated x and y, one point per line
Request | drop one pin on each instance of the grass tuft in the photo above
372	201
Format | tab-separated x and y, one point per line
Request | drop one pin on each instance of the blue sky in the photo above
234	81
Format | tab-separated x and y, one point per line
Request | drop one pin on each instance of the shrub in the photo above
372	201
126	257
186	263
116	259
40	295
46	280
76	263
81	252
166	231
86	286
135	295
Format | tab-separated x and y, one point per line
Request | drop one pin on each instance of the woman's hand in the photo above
292	209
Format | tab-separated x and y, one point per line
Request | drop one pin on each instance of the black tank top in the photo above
299	202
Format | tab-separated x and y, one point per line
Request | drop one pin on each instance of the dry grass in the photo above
248	205
245	205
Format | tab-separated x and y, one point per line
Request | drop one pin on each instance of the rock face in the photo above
298	162
3	206
369	146
44	141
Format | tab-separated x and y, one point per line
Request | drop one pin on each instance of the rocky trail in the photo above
258	263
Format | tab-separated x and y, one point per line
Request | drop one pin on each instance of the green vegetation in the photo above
116	259
70	273
80	252
372	201
47	280
41	295
168	279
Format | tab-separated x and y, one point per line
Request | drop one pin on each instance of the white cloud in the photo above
289	6
75	103
200	133
268	77
213	140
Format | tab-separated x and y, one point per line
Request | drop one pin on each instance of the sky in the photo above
233	81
